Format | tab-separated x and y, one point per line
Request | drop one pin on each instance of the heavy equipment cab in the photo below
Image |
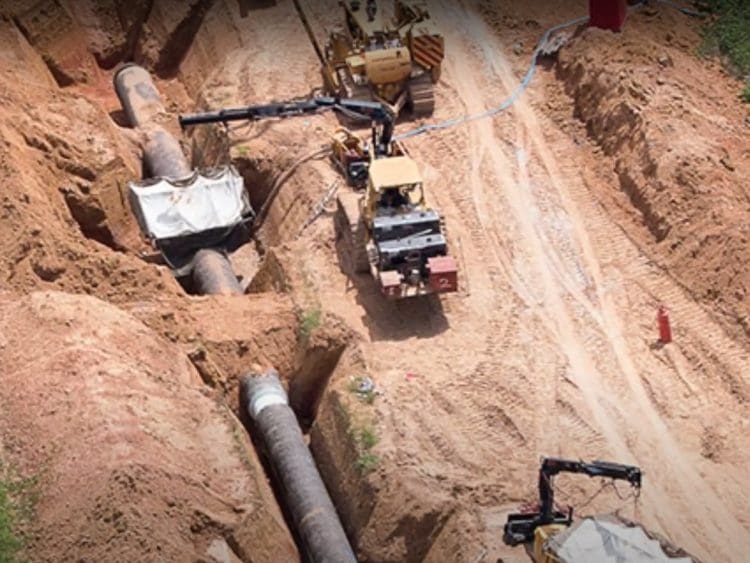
389	231
520	528
393	61
394	182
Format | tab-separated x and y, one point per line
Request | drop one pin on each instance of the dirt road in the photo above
586	307
549	348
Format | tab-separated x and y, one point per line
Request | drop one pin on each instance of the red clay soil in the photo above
676	133
142	461
65	168
616	183
134	460
549	347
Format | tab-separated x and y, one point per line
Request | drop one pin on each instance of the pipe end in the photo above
263	390
122	68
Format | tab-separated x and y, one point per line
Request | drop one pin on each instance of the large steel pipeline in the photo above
163	155
142	105
211	270
213	274
304	493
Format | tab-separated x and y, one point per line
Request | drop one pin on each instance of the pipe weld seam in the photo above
314	512
265	397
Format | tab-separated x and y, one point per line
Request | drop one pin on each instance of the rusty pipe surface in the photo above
162	154
213	274
138	95
142	104
305	495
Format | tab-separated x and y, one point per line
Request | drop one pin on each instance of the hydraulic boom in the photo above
520	527
376	112
389	231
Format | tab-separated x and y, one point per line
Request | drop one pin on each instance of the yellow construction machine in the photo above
385	224
551	535
390	230
395	61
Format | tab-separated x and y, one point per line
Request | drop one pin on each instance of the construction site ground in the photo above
615	184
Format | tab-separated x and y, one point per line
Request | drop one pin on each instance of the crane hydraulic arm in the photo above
520	527
377	112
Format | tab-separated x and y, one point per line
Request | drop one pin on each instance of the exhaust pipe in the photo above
211	270
307	499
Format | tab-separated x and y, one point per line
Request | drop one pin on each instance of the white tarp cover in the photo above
204	201
603	540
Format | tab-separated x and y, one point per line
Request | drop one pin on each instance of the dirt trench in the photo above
555	321
572	219
166	385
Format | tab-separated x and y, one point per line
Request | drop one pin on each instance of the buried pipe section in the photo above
141	103
210	268
304	493
213	274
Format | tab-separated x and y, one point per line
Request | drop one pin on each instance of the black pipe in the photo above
303	490
211	270
137	93
213	274
142	104
163	154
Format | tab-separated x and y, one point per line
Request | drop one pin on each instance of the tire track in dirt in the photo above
475	411
609	321
534	359
485	142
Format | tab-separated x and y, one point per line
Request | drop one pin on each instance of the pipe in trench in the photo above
212	272
142	104
306	496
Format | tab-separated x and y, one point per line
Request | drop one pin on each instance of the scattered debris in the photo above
364	388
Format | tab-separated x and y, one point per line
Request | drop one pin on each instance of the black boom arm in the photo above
520	527
552	466
377	112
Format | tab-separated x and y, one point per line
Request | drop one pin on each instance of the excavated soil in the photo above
679	150
615	184
134	460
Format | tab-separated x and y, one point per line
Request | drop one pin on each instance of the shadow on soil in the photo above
420	317
393	320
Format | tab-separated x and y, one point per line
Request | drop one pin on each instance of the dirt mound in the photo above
225	337
678	141
66	168
176	478
79	39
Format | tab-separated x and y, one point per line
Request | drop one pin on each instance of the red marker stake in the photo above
665	330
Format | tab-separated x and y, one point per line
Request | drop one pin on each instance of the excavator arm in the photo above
520	527
377	112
